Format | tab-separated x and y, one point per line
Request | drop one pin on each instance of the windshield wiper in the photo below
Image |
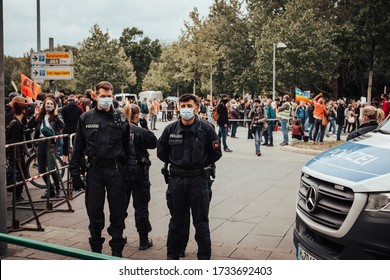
381	131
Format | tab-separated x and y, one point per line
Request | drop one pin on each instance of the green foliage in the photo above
100	58
141	51
336	45
12	67
310	58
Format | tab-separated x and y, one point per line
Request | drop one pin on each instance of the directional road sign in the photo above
52	73
51	58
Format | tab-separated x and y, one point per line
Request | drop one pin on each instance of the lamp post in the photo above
275	46
211	80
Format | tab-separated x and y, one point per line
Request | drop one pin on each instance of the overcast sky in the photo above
69	21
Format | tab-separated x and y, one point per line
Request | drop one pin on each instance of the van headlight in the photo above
378	205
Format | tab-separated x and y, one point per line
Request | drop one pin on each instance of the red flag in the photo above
29	87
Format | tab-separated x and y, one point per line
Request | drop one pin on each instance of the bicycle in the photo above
32	167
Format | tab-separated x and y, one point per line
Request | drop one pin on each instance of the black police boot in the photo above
145	242
96	244
117	244
117	254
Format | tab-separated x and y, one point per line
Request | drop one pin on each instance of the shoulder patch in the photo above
215	144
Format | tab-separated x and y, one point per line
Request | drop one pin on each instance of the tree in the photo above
364	40
141	51
100	58
12	67
310	59
236	71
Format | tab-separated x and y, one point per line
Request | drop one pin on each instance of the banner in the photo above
29	87
302	95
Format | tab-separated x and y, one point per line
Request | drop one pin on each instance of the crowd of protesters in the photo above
261	117
298	120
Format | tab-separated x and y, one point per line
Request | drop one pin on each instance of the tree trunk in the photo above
370	74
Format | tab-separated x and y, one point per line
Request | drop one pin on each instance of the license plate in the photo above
302	254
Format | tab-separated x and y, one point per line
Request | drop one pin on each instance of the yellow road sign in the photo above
52	72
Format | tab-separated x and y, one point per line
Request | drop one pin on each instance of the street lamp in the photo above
275	46
211	80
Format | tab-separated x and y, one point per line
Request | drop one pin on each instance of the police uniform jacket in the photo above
143	139
189	148
102	136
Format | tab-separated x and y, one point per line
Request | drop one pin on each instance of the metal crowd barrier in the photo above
51	154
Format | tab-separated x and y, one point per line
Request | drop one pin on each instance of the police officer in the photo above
139	188
190	146
102	134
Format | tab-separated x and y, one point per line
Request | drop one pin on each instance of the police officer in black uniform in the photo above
102	134
190	146
139	188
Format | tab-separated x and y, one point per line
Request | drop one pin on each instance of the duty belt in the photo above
187	173
106	162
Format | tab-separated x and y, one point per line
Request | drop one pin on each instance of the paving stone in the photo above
250	254
252	212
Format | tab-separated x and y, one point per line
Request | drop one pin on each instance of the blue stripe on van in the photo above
352	161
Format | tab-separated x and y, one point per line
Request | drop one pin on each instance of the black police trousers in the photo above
110	178
187	224
139	189
192	192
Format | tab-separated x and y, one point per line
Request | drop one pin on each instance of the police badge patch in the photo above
216	144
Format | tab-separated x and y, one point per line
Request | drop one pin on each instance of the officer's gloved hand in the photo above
78	183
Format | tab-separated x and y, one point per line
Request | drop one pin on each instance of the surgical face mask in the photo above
105	102
187	113
49	108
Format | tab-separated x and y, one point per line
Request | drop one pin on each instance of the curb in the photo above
300	150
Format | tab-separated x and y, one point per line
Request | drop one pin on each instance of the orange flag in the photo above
29	87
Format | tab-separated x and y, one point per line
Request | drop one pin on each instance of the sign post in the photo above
51	65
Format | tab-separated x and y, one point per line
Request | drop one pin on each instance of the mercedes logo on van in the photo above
311	199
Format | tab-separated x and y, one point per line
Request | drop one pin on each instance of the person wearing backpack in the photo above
15	134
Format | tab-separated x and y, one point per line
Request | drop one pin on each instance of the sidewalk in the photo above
252	211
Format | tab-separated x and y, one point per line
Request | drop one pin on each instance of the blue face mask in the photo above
187	113
105	102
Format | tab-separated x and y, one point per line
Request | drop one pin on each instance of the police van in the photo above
343	203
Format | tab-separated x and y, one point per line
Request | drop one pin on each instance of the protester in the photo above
271	116
15	134
223	121
258	123
70	114
319	113
47	122
284	115
297	132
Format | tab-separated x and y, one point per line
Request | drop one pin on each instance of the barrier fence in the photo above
17	166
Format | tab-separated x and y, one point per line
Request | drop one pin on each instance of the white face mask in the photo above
49	108
187	113
105	102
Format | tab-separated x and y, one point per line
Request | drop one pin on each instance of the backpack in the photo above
215	114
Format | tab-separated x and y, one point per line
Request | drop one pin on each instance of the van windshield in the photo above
384	127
